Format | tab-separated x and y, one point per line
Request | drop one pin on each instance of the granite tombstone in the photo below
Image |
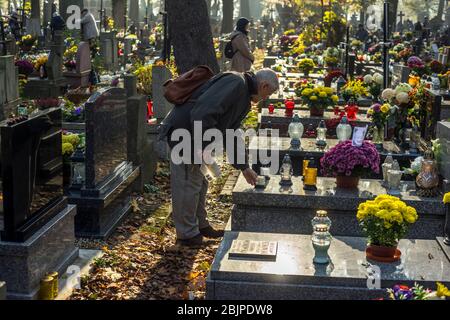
80	76
37	225
104	197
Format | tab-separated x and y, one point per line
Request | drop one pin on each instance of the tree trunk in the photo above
227	20
393	6
245	9
441	9
190	35
118	12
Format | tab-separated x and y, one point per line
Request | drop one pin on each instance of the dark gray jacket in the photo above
222	103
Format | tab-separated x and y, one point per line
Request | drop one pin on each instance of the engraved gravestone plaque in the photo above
264	250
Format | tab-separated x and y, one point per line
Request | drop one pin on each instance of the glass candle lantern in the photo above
387	165
289	105
321	140
340	84
344	130
78	168
415	139
310	176
427	180
321	241
286	171
394	178
296	130
321	219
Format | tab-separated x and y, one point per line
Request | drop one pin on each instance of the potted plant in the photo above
26	43
349	163
378	114
25	67
374	84
385	221
69	143
317	98
306	65
354	90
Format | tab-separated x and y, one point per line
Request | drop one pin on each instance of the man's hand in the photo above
250	176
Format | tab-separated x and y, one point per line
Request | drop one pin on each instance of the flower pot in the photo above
316	112
382	253
347	182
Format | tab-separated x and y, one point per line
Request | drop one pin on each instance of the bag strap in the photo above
198	93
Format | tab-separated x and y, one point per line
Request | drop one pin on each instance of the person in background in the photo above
89	28
362	35
14	25
243	58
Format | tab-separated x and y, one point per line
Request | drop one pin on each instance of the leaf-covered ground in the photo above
141	260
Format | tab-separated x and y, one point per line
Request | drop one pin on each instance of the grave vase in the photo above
315	111
347	182
378	136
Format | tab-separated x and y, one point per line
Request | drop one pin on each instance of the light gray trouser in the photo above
189	188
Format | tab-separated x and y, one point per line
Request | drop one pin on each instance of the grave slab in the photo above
290	210
293	275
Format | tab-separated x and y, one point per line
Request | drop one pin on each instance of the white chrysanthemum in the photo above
403	87
402	97
368	79
388	94
378	78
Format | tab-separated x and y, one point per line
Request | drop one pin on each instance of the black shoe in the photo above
210	232
194	242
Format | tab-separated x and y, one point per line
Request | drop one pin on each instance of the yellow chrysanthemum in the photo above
442	291
307	92
313	98
335	98
447	198
385	108
323	94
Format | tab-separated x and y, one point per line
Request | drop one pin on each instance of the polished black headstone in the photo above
31	174
106	135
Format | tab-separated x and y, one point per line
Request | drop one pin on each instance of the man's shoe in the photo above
194	242
210	232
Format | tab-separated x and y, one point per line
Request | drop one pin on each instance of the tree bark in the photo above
245	9
190	35
441	9
118	12
227	20
393	6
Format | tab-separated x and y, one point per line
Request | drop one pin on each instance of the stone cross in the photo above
400	24
55	58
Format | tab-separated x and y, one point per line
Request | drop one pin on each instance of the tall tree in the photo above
441	9
119	12
190	34
227	20
245	9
